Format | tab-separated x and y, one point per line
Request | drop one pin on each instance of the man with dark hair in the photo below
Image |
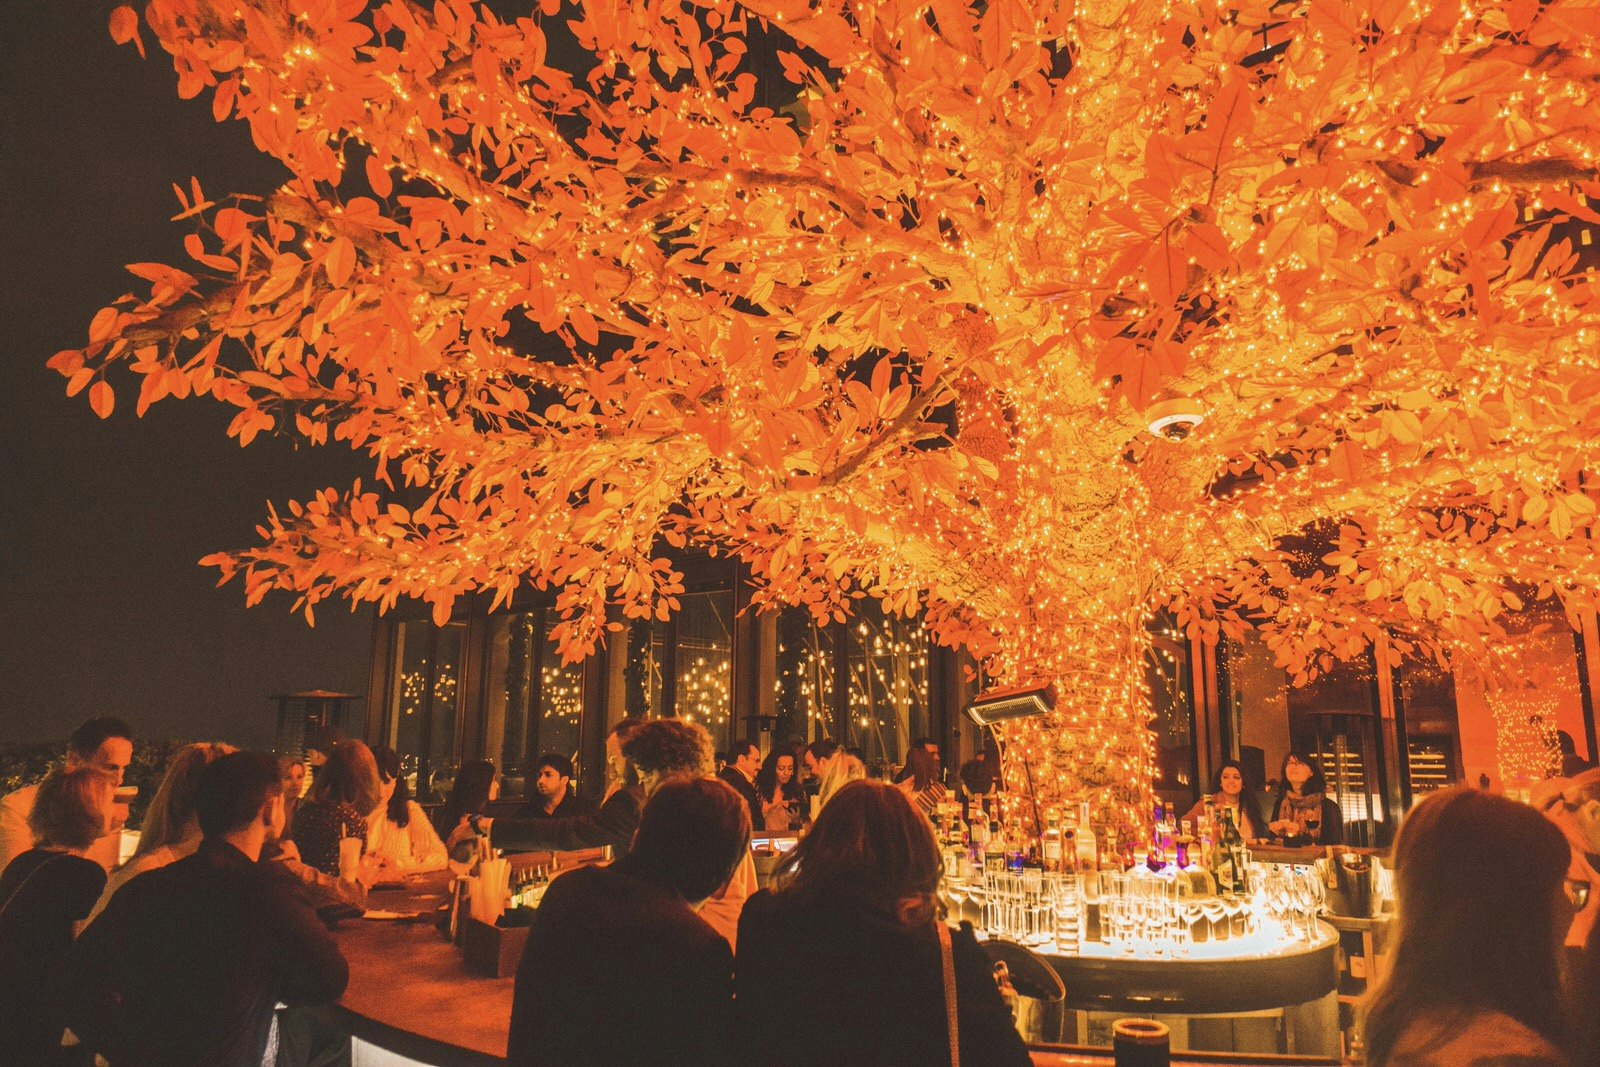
103	744
741	773
816	757
612	825
187	962
628	934
553	796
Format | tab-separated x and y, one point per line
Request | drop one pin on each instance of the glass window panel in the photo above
641	679
1166	673
535	703
804	684
422	717
888	698
703	665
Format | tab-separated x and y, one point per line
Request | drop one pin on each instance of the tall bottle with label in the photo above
1230	879
994	850
1050	855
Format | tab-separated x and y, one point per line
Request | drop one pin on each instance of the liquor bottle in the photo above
1050	842
978	834
1088	850
1229	877
994	849
1238	857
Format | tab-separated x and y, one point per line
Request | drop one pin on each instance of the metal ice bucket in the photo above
1351	879
1039	1004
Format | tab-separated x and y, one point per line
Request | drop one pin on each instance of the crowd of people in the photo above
207	946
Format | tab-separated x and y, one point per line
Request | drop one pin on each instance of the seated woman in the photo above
1480	914
477	785
621	949
171	829
344	792
399	835
1301	813
1230	790
44	893
783	802
854	940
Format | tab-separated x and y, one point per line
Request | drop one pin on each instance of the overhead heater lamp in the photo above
1001	705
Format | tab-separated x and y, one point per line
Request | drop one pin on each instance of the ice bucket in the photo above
1351	879
1039	1004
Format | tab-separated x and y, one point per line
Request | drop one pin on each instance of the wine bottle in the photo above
1050	841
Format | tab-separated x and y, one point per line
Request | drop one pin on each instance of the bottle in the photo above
1050	842
994	850
1229	877
979	836
1088	850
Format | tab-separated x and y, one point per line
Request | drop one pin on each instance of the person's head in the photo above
554	777
1480	914
294	776
817	755
72	809
1229	780
618	769
660	749
843	769
692	834
350	777
870	849
395	792
475	788
1564	741
240	797
777	772
746	756
320	742
171	815
922	767
929	744
1302	773
104	744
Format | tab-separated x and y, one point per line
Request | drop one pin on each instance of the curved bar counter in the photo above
412	1000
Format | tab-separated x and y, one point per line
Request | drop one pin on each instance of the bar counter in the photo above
411	1000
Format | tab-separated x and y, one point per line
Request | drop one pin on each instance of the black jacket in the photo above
187	962
42	893
612	825
747	789
571	806
618	972
875	989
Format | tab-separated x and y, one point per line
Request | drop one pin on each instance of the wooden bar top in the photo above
409	990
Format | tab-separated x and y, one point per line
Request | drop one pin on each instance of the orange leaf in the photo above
102	399
378	177
125	27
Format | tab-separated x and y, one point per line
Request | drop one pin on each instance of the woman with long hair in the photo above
477	785
1231	790
293	771
859	898
345	791
923	779
399	834
171	829
1480	916
44	893
783	802
1302	813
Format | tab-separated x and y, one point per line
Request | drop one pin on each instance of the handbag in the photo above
948	966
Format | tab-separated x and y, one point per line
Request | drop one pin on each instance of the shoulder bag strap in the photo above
23	884
948	965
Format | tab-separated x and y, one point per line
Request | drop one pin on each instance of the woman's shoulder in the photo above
1477	1040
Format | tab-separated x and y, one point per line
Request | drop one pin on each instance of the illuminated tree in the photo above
878	297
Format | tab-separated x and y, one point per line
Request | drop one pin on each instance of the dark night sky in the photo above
102	606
